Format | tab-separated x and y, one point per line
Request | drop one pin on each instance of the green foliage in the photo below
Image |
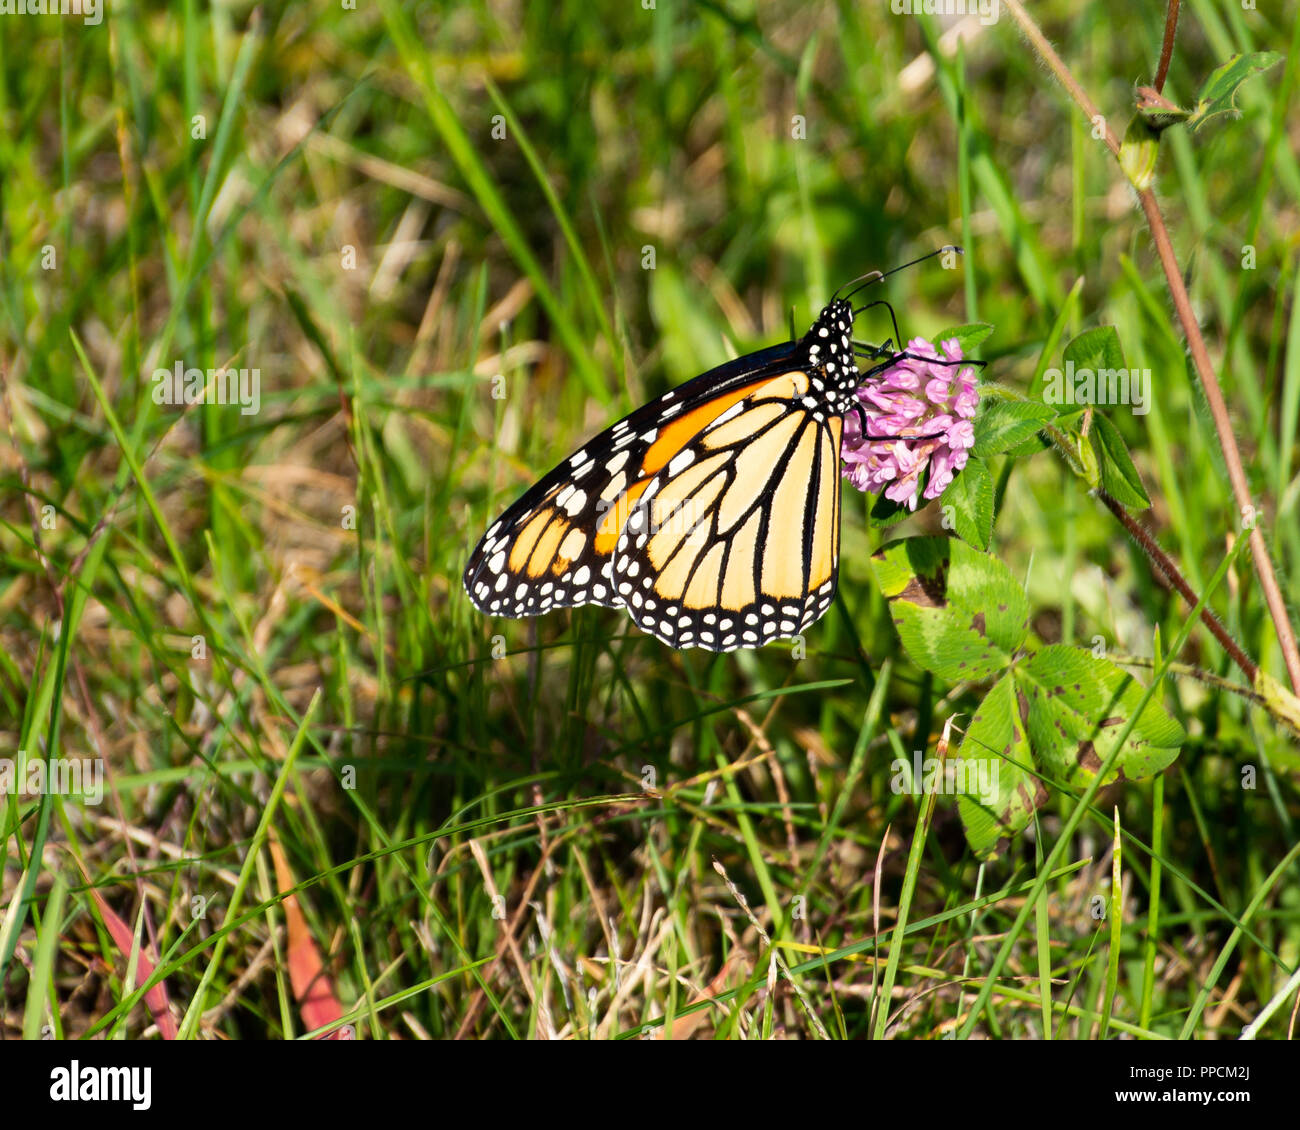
1094	349
968	337
995	751
959	612
1118	474
1004	425
1138	153
1218	95
1055	713
970	495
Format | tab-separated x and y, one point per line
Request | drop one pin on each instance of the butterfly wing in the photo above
555	546
738	543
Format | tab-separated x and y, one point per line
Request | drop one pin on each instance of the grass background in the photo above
317	193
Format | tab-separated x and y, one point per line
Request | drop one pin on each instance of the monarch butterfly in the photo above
712	514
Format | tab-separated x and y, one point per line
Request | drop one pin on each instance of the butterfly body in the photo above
711	514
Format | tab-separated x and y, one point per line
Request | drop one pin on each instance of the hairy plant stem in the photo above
1163	562
1145	540
1196	344
1199	674
1167	48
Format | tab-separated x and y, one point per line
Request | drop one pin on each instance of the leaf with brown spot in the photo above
1086	755
960	613
1078	704
924	592
997	790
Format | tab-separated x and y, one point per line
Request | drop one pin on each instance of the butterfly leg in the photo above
866	350
893	319
905	356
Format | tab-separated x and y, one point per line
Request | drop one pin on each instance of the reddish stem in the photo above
1167	48
1196	344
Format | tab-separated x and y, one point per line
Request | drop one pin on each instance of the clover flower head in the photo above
916	415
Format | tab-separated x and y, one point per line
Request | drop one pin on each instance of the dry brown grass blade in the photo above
730	976
156	997
313	987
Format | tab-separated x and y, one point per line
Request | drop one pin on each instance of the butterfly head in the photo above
830	344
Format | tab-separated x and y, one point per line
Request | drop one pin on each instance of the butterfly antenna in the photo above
876	276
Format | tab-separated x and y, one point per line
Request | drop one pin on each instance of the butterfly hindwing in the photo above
741	547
